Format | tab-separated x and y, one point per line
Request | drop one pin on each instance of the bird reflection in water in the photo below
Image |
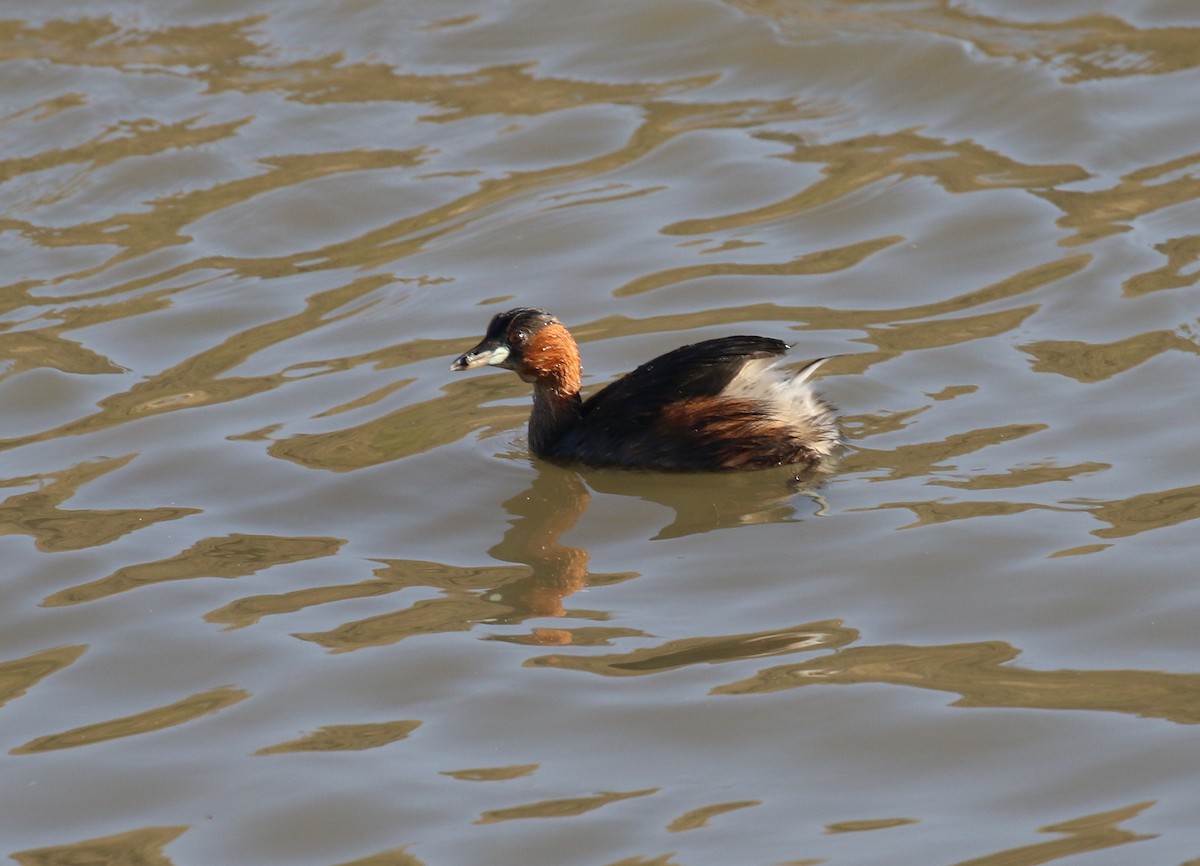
558	497
535	571
553	503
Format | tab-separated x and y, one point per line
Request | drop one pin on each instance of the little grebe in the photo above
719	404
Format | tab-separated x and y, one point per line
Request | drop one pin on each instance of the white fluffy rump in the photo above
790	399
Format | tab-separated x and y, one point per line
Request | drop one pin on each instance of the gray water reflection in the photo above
240	243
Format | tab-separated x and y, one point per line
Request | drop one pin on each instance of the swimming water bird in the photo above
715	405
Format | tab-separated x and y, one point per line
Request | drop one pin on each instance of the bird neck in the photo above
552	359
553	415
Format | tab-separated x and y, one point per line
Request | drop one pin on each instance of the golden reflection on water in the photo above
346	738
124	140
452	612
244	66
1135	514
1091	47
1024	476
820	262
707	650
492	774
20	675
178	713
1089	833
142	847
1182	253
199	380
694	819
704	502
424	617
867	824
1143	512
1082	48
413	429
28	350
1099	213
163	224
394	857
231	556
855	164
924	458
38	513
934	323
933	512
569	807
981	674
99	41
1095	362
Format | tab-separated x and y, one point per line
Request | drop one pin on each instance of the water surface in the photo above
278	588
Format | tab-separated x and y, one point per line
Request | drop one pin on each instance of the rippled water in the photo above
241	244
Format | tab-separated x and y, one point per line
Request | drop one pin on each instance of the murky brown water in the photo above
242	242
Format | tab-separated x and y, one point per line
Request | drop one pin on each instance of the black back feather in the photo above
697	370
617	423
